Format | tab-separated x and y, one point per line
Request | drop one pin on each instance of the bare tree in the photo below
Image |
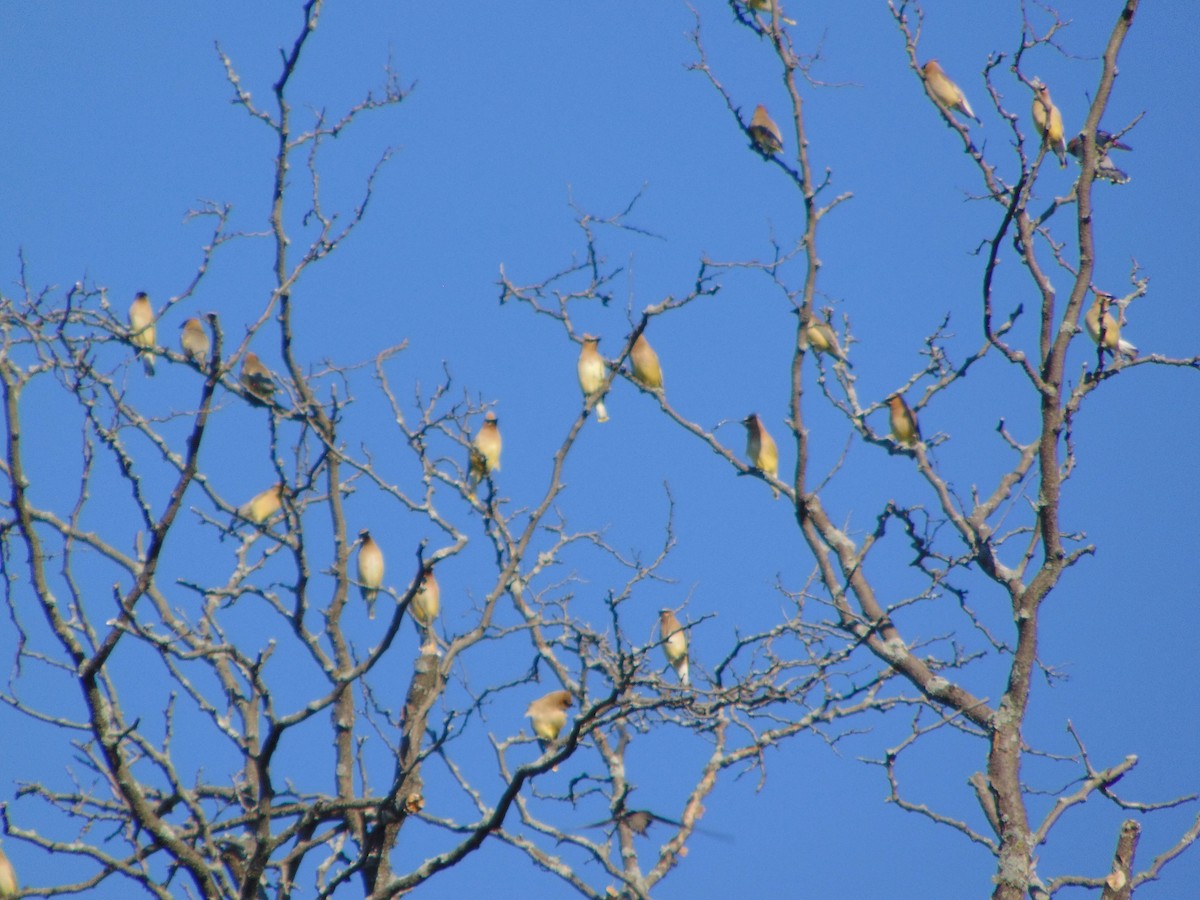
234	738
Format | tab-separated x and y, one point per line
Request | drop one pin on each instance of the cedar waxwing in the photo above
263	506
945	91
1112	328
257	379
194	340
767	8
370	570
1104	166
426	602
675	644
142	330
485	449
904	422
591	374
1048	121
764	133
8	878
761	449
820	336
549	715
638	820
645	363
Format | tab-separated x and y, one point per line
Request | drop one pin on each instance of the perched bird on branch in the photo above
761	449
1048	121
370	570
549	715
257	379
1102	326
591	374
142	330
1105	168
263	506
645	363
820	336
485	449
194	340
427	601
904	422
8	878
767	8
764	133
675	643
945	91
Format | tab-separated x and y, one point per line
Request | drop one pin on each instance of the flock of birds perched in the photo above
548	713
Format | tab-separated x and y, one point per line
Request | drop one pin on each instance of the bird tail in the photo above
1127	349
601	412
147	362
1111	173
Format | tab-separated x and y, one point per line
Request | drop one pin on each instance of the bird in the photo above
257	379
194	340
142	331
767	7
904	422
8	878
1111	328
370	570
1105	168
945	91
591	374
426	602
485	449
675	643
645	364
820	335
764	133
1048	121
549	715
637	820
761	449
263	506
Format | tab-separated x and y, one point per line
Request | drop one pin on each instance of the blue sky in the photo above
119	122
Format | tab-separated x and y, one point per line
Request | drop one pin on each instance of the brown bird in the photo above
426	602
591	374
645	363
764	133
675	643
194	340
637	820
485	449
549	715
142	330
904	422
820	336
1048	121
370	570
1111	328
761	449
945	91
257	379
767	7
263	506
8	878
